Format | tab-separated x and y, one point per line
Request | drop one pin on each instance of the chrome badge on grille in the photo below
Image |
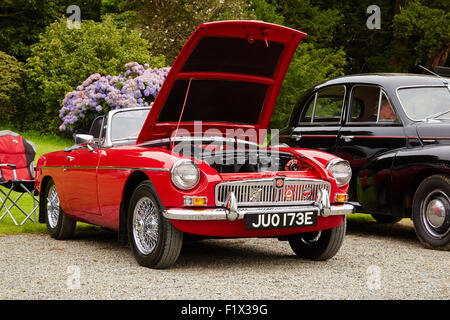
279	182
307	193
288	194
255	194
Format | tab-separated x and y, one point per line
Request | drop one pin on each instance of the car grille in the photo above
264	191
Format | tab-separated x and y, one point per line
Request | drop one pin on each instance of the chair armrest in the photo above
8	165
13	166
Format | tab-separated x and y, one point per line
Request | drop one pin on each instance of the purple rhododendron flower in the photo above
136	87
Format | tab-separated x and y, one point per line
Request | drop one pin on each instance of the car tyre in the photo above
59	225
155	242
431	212
382	218
319	245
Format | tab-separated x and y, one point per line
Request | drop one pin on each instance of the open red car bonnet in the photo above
228	76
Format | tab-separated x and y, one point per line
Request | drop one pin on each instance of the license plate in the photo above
281	220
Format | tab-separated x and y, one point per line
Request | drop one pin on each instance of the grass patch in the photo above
360	217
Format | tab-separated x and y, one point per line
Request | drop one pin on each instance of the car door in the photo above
320	120
80	174
371	129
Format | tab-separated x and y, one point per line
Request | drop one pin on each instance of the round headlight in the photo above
341	171
185	174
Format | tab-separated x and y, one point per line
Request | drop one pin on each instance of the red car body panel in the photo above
92	183
106	186
230	229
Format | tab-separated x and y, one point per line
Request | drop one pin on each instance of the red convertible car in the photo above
193	163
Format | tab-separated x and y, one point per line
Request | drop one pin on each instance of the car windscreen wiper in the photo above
436	115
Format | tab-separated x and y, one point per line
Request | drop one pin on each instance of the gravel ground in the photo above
375	262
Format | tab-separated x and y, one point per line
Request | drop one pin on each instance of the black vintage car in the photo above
394	129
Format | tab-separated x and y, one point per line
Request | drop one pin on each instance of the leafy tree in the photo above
11	87
319	23
21	21
265	11
64	58
425	32
365	48
411	32
122	12
167	24
111	6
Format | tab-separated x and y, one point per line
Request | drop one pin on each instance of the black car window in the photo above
325	106
370	104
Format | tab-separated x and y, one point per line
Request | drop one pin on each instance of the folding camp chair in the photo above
16	174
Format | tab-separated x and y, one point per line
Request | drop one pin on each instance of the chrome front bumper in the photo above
231	212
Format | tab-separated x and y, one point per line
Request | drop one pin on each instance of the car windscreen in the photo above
214	100
127	125
420	103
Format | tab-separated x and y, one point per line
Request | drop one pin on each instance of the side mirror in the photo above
84	138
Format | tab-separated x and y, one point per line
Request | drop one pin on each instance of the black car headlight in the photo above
185	174
341	171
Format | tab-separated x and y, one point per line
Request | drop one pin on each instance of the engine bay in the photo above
239	160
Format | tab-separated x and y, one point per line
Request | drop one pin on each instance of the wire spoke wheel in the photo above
155	242
53	207
59	225
145	225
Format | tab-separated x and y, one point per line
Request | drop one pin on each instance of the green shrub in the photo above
11	90
64	58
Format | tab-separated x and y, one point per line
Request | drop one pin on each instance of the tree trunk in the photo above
439	58
399	5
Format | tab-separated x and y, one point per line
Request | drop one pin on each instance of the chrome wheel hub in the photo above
436	213
145	225
53	209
